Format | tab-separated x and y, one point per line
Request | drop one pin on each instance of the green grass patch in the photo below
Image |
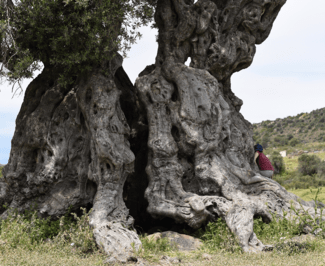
28	231
217	236
293	178
309	194
28	240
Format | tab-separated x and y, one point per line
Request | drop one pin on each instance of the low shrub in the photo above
308	164
79	233
157	246
217	235
277	229
277	162
28	231
280	140
293	142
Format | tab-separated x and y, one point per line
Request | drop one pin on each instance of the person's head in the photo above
258	147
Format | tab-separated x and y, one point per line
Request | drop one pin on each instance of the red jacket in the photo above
264	163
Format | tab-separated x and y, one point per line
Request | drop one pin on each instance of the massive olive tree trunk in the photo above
71	148
200	162
71	145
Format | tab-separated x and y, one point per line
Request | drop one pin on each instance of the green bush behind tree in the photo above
309	164
277	162
309	173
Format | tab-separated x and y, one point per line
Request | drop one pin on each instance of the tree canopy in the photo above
74	35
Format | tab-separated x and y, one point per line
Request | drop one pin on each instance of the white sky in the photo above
287	76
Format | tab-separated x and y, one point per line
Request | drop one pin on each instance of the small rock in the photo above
175	260
111	260
206	256
171	260
302	238
307	229
182	242
116	260
317	231
141	262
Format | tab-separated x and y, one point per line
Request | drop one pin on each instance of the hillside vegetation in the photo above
303	138
292	130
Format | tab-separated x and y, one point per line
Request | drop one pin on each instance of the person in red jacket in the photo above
263	163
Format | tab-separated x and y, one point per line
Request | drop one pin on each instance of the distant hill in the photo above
292	130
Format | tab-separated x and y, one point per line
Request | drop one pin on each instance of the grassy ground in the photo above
47	254
266	258
291	164
293	179
309	194
22	243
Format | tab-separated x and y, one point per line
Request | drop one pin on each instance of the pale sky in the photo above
287	75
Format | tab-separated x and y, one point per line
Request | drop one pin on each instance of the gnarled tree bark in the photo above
200	162
71	145
71	148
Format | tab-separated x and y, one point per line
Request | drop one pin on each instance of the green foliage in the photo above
79	233
293	142
156	246
280	140
217	235
286	129
277	229
290	137
277	162
1	171
308	164
17	230
265	141
305	219
75	35
29	231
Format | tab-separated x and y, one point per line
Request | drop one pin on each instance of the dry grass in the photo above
50	255
208	257
312	258
47	254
